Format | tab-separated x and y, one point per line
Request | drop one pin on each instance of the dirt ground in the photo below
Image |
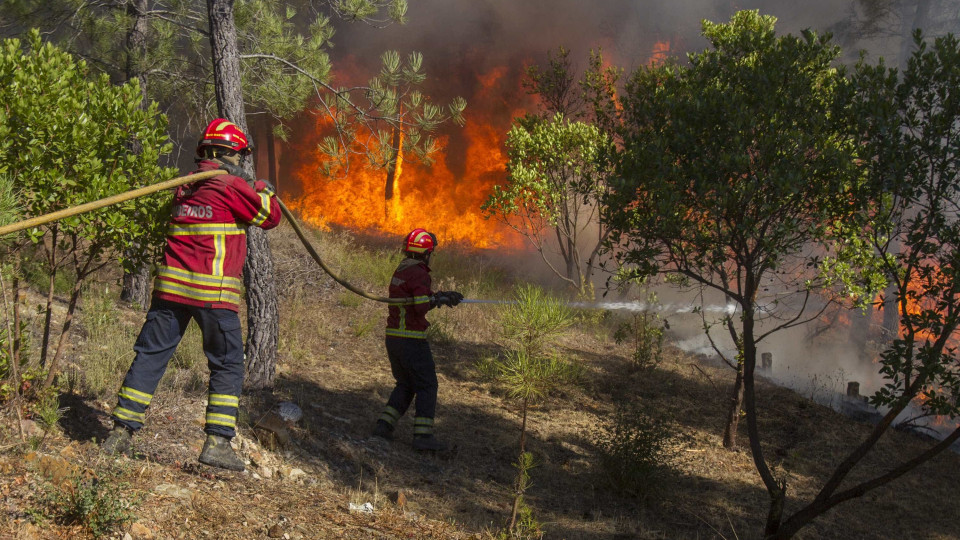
333	365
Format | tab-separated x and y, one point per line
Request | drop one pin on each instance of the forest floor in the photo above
318	484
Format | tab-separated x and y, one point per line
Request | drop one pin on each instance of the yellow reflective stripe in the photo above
135	395
422	421
221	419
127	414
206	228
422	430
197	278
406	333
264	212
219	254
202	295
224	400
388	410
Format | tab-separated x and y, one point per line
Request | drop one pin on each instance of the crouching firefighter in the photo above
199	279
406	339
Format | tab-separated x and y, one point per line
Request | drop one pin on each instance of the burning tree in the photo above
734	172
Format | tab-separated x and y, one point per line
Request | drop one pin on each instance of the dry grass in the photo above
332	363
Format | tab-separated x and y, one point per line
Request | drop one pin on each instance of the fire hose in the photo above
176	182
179	181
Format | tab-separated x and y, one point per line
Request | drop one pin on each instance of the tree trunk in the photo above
733	413
48	315
64	333
518	495
258	278
136	287
136	283
272	156
17	334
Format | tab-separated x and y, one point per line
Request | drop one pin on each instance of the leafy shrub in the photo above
634	450
97	504
645	333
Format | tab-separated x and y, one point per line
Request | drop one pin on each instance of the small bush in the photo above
100	505
634	451
645	332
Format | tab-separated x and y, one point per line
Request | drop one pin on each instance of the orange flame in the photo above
413	195
661	51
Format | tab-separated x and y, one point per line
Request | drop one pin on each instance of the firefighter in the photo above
199	279
406	339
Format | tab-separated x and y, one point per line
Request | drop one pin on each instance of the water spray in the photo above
666	309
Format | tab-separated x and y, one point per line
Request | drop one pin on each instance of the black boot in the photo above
383	430
217	452
429	443
119	441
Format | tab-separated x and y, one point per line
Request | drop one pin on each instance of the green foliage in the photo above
532	378
910	131
736	160
47	411
101	505
534	321
531	368
526	525
645	333
556	175
65	138
9	204
634	450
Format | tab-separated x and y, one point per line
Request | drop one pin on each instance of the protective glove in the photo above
237	170
264	185
447	298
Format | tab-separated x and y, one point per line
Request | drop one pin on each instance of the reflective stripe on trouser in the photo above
161	333
422	427
390	415
416	377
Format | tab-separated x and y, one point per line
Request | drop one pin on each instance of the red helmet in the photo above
420	241
222	132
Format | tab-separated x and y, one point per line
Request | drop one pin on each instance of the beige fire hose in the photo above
140	192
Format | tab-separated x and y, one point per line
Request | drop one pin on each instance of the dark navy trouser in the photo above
161	333
412	364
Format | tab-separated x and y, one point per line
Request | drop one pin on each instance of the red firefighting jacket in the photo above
207	239
411	280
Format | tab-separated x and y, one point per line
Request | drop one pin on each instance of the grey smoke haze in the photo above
504	32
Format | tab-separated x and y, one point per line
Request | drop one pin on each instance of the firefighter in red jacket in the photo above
407	348
199	279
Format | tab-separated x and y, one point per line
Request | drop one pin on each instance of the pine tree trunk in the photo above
272	156
136	286
258	278
136	283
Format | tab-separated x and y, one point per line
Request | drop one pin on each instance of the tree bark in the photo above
733	413
136	283
258	278
272	156
48	314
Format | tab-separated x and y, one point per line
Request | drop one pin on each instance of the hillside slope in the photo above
334	367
